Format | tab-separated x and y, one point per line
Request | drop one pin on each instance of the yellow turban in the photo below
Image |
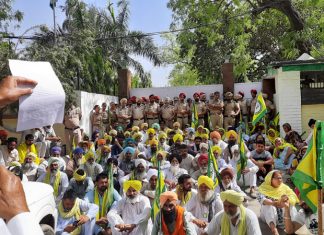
153	141
163	154
144	125
204	136
231	133
89	154
135	128
127	133
78	177
107	137
151	131
216	148
206	180
177	137
135	184
162	135
232	197
136	135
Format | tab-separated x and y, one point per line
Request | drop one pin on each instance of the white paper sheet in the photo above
45	106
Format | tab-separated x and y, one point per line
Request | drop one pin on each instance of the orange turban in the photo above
215	134
101	142
168	195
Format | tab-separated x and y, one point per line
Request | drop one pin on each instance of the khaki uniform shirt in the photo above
216	106
152	108
123	111
230	108
181	107
138	111
253	104
167	111
72	117
105	117
96	119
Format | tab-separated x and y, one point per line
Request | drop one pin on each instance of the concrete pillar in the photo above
124	83
228	77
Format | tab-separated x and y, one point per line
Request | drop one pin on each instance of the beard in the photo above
54	171
235	215
203	170
208	197
169	216
27	166
174	169
140	175
132	200
90	168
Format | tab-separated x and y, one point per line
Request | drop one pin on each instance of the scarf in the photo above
272	139
74	212
179	224
183	199
57	181
107	201
275	193
225	223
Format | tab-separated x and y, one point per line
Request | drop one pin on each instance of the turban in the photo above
119	128
150	131
85	142
168	195
156	126
241	93
176	124
107	137
200	127
216	135
78	150
217	149
128	141
202	157
127	133
78	177
254	91
151	172
163	153
3	133
190	130
196	94
135	184
56	150
14	163
182	94
227	171
153	142
228	94
162	135
203	145
143	154
101	142
232	197
206	180
32	155
177	137
89	154
137	135
135	128
205	136
113	132
231	133
140	161
129	150
53	160
144	125
123	100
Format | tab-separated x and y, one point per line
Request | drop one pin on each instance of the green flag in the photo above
194	122
260	110
243	159
160	188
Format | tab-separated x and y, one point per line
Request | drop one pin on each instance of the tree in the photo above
137	82
250	33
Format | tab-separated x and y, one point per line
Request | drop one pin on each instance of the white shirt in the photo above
137	213
252	224
174	177
6	157
186	163
21	224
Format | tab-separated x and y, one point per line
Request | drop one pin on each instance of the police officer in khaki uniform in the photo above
252	103
167	112
216	107
96	119
71	122
138	112
231	110
152	111
112	114
105	117
201	109
123	113
182	110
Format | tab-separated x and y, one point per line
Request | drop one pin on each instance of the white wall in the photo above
190	90
288	99
87	101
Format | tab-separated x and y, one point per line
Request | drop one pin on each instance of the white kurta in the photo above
127	213
21	224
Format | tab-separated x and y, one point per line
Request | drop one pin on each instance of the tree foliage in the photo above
249	33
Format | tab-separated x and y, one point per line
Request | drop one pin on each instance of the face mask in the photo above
174	168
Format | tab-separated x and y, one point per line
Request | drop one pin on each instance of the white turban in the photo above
52	160
151	172
140	161
203	145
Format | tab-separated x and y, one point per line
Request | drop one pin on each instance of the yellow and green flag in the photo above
194	116
241	164
260	110
160	188
212	161
308	177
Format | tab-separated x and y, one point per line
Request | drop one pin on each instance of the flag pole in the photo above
320	211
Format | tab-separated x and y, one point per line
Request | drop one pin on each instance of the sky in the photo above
145	15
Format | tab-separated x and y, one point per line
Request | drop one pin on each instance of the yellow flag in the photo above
260	110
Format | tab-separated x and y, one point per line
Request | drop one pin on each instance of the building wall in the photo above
288	99
315	111
190	90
